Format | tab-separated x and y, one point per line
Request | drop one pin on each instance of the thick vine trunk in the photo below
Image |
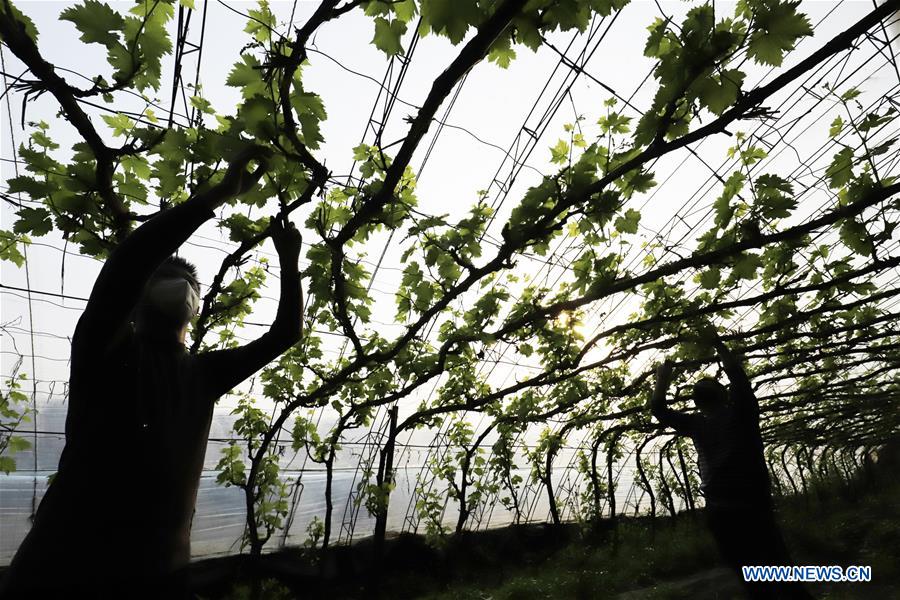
787	471
674	470
463	500
773	477
689	494
643	475
610	480
668	502
801	472
595	479
548	482
329	501
384	478
464	508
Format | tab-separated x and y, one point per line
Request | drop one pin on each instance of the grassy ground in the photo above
678	560
637	559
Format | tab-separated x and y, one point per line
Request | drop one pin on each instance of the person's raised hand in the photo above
286	237
237	180
664	372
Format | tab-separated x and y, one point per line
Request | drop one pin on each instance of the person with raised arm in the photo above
733	473
116	520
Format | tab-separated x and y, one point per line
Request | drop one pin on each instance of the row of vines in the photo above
796	271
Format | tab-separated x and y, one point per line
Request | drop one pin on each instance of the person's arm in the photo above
742	390
222	370
125	273
680	422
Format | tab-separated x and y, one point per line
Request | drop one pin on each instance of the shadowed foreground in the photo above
639	558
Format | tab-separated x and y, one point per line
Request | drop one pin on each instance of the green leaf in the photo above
873	120
567	14
560	152
33	220
527	32
377	7
451	18
405	10
147	32
836	127
246	76
778	27
138	165
840	171
710	278
41	139
637	180
9	247
7	464
97	22
850	94
121	124
746	265
614	123
202	104
310	112
261	22
242	228
35	188
722	206
388	35
719	93
657	42
17	444
605	7
502	52
774	196
37	162
881	148
628	222
21	17
855	236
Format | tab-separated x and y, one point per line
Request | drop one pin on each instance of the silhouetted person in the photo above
733	473
115	522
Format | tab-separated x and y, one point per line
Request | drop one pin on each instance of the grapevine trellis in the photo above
527	325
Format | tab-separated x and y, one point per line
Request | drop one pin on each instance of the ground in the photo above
836	526
632	559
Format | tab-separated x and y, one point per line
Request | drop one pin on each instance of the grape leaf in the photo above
388	35
21	17
9	247
97	22
33	187
719	93
855	236
560	152
451	18
628	222
836	126
120	123
774	196
502	53
33	220
778	27
710	278
746	265
840	171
